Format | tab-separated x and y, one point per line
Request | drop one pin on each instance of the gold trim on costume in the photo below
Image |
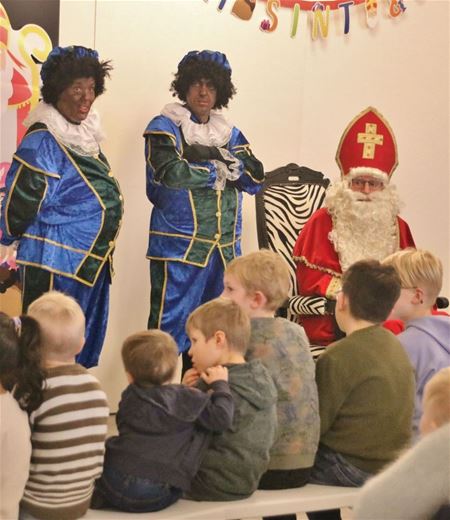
236	211
258	181
175	260
43	196
227	244
55	271
194	219
187	237
244	147
158	132
8	200
63	246
148	160
303	260
34	169
163	295
333	287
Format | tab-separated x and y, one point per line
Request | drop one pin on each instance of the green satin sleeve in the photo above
24	200
169	167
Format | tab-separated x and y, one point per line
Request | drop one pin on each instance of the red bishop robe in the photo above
319	271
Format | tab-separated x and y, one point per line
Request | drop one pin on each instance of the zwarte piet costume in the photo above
64	207
196	173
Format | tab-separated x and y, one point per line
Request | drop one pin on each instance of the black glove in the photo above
200	153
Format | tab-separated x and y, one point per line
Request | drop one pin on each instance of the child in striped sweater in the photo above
69	427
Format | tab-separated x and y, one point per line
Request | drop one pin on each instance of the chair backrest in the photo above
290	195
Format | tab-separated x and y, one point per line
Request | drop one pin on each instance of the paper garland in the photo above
318	11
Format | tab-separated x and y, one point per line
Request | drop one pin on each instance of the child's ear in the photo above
341	301
130	378
419	296
259	300
80	348
220	338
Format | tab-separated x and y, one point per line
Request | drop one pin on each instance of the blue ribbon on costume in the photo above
205	55
77	51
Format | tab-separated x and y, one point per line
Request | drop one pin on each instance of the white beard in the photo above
362	229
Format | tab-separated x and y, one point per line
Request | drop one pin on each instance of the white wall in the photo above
295	97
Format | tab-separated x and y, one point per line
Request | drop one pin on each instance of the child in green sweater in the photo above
236	458
365	383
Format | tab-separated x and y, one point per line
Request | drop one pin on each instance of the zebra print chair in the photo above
290	195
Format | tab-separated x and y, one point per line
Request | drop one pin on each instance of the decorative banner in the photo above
318	12
20	52
23	45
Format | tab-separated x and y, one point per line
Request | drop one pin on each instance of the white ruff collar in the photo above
216	132
83	139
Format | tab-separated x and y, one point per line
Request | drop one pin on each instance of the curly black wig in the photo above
62	69
196	69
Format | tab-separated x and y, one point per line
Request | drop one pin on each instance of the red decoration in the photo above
368	142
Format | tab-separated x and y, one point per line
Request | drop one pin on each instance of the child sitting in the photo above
164	428
417	485
69	427
259	283
426	338
19	372
235	460
365	383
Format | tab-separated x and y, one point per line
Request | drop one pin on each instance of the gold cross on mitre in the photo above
370	139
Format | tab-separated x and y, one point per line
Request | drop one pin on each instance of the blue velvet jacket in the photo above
65	208
189	218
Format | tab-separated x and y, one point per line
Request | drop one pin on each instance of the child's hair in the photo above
418	268
263	271
225	315
437	396
20	360
150	357
62	323
372	290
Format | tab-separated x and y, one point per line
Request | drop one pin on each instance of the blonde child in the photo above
235	460
20	373
164	428
417	485
69	427
259	283
426	338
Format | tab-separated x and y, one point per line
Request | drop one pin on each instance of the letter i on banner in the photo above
243	9
320	23
295	16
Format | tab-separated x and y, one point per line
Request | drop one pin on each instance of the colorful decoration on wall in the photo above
317	10
21	51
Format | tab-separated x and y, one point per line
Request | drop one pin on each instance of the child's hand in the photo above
190	378
218	373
